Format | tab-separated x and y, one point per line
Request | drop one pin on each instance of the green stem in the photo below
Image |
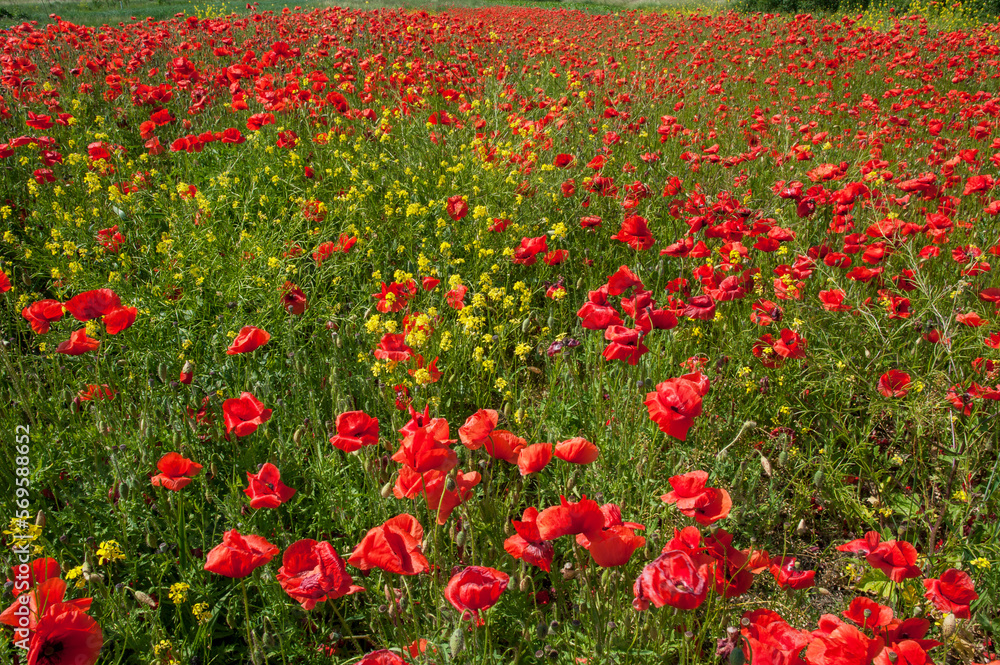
246	610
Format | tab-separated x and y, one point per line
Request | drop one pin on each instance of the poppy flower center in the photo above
270	486
51	651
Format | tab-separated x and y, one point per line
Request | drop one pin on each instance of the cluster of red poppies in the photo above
50	627
103	304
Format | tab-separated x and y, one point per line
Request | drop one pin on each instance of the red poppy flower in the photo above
700	308
381	657
527	544
312	572
790	345
4	279
952	592
675	404
93	304
477	427
596	313
428	283
833	300
894	384
455	297
119	319
555	257
78	344
40	598
248	339
354	430
635	232
38	571
474	589
843	644
527	252
432	484
394	547
65	634
293	299
503	445
705	504
457	207
422	451
895	558
266	489
673	579
622	280
971	319
788	576
393	347
614	545
577	451
570	518
176	472
868	614
563	160
534	458
244	415
42	313
238	556
625	344
863	546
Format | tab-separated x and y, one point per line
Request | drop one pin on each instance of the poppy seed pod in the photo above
145	599
818	478
456	643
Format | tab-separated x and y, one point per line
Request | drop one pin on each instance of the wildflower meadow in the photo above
499	335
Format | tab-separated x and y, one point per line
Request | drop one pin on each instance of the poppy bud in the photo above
506	410
145	599
176	439
122	491
456	643
386	490
737	657
297	436
450	484
948	625
187	373
802	530
525	324
782	458
818	478
541	630
150	541
551	322
460	539
823	592
579	284
40	519
162	372
766	465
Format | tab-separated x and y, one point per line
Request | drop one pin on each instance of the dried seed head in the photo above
145	599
